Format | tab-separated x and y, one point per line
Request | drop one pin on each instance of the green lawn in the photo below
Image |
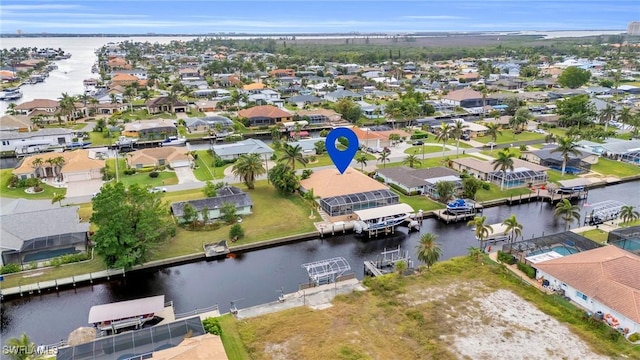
51	273
165	177
615	168
596	235
514	150
494	193
5	177
558	132
507	137
428	149
419	202
233	345
427	163
102	138
554	176
205	170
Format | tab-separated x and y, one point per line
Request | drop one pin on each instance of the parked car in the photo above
418	143
158	189
465	137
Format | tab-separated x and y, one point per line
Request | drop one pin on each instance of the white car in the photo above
158	189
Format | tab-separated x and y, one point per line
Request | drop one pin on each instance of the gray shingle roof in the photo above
248	146
230	194
8	135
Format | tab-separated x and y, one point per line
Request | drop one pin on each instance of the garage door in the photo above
176	164
79	176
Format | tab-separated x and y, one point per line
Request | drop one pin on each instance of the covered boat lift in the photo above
603	211
124	314
326	271
372	220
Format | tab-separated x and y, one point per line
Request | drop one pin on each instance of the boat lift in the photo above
603	211
327	271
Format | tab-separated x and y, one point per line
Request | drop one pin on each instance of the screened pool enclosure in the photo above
518	177
347	204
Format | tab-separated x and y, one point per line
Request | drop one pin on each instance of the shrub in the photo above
506	258
212	326
398	188
10	268
236	232
634	337
154	174
130	171
527	269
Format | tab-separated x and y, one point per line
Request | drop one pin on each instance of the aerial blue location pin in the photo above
341	158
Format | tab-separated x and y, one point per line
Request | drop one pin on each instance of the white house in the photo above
604	281
34	141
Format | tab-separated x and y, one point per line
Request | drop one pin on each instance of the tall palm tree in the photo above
493	130
412	160
625	115
57	163
504	162
566	146
607	115
513	226
457	130
11	109
628	213
37	164
384	157
25	349
247	168
444	134
567	211
429	251
481	230
362	160
67	106
291	155
312	199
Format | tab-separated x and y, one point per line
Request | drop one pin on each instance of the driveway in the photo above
83	188
185	175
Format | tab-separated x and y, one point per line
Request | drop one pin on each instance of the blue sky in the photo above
304	16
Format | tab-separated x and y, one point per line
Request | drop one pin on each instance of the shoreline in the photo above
50	286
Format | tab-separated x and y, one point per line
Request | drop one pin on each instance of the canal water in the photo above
256	277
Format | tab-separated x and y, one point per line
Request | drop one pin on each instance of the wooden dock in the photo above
216	249
446	217
371	269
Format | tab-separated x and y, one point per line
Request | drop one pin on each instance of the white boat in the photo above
174	141
125	141
11	94
126	314
383	217
460	206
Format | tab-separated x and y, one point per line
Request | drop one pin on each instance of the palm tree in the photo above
628	213
513	226
362	160
444	135
11	109
567	211
57	198
607	115
566	146
457	130
445	190
474	252
520	119
493	130
384	157
481	230
412	160
625	115
25	349
37	164
291	155
429	251
247	168
504	162
67	105
311	198
57	163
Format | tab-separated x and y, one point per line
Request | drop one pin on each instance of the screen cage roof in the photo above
547	242
367	196
139	344
518	175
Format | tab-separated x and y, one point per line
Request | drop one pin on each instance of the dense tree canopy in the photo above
129	223
350	111
575	110
573	77
284	179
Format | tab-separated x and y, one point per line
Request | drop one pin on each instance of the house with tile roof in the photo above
122	79
20	123
165	104
58	232
161	156
253	88
77	166
265	115
43	106
604	281
467	98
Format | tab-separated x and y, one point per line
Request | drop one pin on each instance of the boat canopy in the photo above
126	309
380	212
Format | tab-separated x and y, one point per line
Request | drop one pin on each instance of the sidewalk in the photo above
514	269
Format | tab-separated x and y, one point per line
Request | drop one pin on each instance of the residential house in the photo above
172	156
19	123
267	97
282	73
139	73
189	73
467	98
47	108
468	77
419	181
613	148
320	116
308	146
150	129
265	115
524	173
338	95
165	104
34	141
207	123
118	63
124	80
213	205
58	232
77	165
369	139
207	105
371	111
196	125
342	194
254	88
108	108
545	157
303	100
248	146
603	280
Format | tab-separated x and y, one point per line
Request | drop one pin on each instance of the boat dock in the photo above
216	249
447	217
386	262
371	269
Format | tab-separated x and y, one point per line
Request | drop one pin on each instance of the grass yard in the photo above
233	345
165	177
52	273
428	149
494	193
507	137
102	138
205	170
615	168
596	235
427	163
419	202
514	150
270	209
5	177
555	176
426	316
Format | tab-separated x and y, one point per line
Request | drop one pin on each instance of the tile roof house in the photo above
603	280
125	79
254	88
20	123
419	181
58	231
46	106
165	104
467	98
152	157
77	166
227	194
265	115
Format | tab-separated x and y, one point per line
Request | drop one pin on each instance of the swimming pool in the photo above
632	245
560	249
568	169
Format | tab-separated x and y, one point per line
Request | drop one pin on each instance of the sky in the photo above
306	16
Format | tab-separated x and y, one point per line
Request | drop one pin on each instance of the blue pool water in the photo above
560	249
568	169
632	245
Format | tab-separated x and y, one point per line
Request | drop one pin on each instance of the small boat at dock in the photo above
460	206
122	315
381	218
